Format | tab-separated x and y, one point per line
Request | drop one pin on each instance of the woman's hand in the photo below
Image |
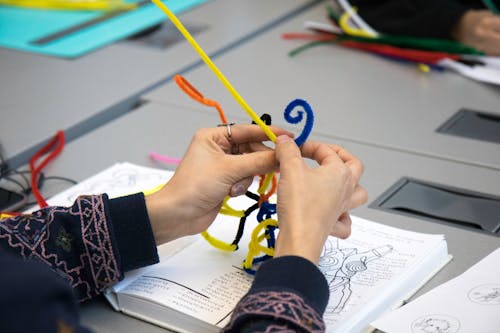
214	166
479	29
313	202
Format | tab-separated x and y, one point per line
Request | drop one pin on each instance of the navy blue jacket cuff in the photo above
295	274
132	232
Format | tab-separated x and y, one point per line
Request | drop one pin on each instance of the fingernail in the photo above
283	139
238	189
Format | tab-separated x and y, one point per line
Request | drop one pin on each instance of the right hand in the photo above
191	200
313	202
479	29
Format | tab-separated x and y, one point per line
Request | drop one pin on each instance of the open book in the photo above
195	287
372	272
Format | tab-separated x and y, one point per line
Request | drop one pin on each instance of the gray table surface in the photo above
355	95
168	130
46	94
370	103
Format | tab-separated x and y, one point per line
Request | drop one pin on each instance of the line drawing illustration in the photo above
436	323
486	294
123	179
340	265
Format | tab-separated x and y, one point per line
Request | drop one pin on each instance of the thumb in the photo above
286	149
240	187
256	163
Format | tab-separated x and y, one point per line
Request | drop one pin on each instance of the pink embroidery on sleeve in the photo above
281	306
88	268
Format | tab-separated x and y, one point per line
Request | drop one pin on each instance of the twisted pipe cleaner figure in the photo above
267	185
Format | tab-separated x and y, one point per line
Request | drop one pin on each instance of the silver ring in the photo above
228	128
235	149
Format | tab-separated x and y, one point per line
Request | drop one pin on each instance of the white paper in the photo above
373	270
490	61
118	180
468	303
487	74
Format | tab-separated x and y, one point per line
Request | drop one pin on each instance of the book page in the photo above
200	280
118	180
367	267
468	303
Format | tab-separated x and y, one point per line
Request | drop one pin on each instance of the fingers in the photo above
327	153
247	165
479	29
356	166
488	31
493	23
240	187
320	152
342	229
251	147
286	150
244	133
359	197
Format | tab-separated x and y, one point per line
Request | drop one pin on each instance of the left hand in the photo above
190	201
313	201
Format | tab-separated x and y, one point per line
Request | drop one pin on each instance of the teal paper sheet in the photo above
20	26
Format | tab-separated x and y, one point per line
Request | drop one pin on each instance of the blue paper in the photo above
19	27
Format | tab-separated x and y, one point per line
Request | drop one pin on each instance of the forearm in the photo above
288	293
89	244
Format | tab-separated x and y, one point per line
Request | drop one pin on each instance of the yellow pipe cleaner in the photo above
255	239
228	210
218	243
178	24
254	247
102	5
344	24
265	184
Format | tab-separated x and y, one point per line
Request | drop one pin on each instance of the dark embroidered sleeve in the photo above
81	243
282	302
35	299
75	241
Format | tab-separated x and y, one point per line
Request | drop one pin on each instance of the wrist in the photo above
307	245
163	212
